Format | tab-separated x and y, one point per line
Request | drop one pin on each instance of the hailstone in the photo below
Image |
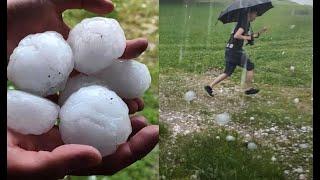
75	83
128	78
252	146
95	116
223	119
292	68
190	96
296	100
96	43
41	63
230	138
30	114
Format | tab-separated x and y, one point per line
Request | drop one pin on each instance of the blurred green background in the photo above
138	18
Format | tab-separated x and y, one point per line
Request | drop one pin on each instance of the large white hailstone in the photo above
96	43
223	119
251	118
252	146
296	100
95	116
230	138
75	83
30	114
190	96
273	159
128	78
41	63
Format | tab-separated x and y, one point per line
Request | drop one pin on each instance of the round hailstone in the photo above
75	83
96	43
251	118
41	63
190	96
303	146
223	119
230	138
292	68
302	177
296	100
30	114
128	78
273	159
95	116
252	146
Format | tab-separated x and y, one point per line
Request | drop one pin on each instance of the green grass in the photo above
203	49
217	159
202	45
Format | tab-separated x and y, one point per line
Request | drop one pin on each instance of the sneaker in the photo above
208	90
251	91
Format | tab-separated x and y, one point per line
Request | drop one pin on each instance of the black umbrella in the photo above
232	13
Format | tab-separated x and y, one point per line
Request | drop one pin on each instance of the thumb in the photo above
70	157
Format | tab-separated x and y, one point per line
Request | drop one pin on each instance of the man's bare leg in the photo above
249	79
249	87
218	79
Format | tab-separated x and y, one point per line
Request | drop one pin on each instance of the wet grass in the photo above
203	48
203	156
203	53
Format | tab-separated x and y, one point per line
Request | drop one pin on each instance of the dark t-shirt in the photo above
237	44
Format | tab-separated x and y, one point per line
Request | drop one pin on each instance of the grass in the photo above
192	54
138	18
217	159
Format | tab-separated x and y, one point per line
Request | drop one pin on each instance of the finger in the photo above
95	6
137	123
64	30
134	48
136	148
140	103
55	164
132	105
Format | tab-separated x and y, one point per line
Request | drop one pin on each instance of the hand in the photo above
46	157
248	38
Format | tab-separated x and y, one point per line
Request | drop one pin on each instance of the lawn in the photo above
192	54
138	18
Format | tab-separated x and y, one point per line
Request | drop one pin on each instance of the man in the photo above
235	55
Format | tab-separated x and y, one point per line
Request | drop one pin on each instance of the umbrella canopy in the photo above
232	13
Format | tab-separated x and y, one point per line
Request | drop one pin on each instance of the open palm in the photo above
47	157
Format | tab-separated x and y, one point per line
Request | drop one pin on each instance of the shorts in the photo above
236	58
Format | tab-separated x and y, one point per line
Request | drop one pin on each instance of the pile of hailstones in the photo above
92	110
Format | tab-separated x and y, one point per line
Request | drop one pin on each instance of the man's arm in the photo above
238	35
